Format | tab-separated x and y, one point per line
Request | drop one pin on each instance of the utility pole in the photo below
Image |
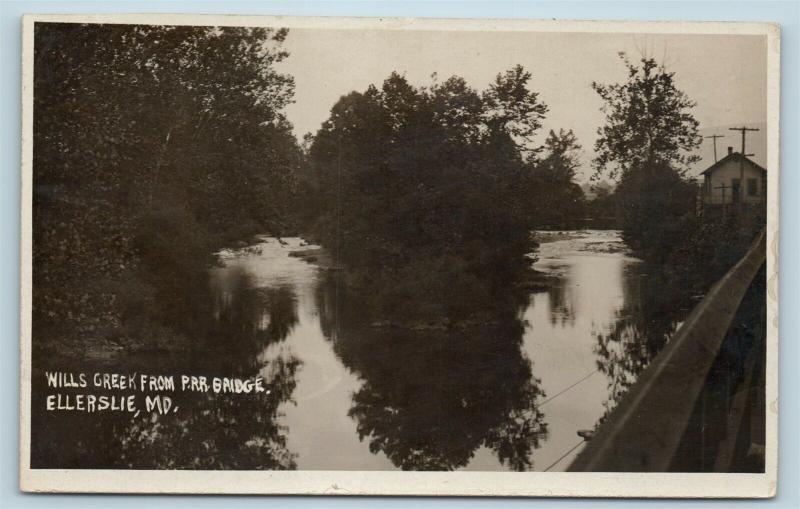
743	130
714	137
723	187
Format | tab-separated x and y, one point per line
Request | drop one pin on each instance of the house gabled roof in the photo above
735	156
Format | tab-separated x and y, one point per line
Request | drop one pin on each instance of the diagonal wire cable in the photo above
564	455
562	391
559	393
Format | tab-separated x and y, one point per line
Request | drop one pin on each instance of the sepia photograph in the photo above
385	256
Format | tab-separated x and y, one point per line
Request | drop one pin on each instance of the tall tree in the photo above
558	200
562	151
646	146
648	122
512	108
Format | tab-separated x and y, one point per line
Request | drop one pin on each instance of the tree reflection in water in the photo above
209	431
246	318
430	398
655	303
220	431
561	303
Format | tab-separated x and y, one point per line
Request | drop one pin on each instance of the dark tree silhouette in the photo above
154	146
429	400
422	191
557	200
645	145
648	121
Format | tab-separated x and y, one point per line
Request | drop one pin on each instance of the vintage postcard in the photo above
353	256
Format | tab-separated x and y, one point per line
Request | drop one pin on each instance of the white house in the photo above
722	181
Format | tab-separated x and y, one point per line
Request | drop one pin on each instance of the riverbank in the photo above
112	343
415	308
316	255
133	323
117	338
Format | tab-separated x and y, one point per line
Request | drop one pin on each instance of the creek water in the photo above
355	396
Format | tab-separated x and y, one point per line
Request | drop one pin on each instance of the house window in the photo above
752	187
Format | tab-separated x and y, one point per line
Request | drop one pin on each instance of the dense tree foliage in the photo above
657	209
646	146
428	191
648	121
557	200
153	145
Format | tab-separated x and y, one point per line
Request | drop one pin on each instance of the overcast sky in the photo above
724	74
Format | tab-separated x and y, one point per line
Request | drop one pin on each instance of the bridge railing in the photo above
645	430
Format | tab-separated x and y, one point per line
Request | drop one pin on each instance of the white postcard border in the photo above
548	484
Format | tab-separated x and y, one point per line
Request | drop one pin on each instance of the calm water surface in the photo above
560	341
355	396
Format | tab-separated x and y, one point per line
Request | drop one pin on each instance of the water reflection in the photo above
655	302
351	392
247	317
232	322
220	431
432	395
208	431
561	304
429	400
596	289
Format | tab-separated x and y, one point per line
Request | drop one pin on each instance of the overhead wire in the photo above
559	393
564	455
585	377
